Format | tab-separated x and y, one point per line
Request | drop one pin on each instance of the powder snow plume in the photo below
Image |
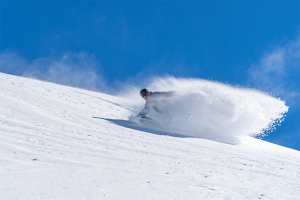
206	109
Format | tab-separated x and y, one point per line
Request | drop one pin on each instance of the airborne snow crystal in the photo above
212	110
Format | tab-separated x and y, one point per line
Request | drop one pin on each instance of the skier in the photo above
153	99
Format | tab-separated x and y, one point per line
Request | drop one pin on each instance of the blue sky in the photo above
119	41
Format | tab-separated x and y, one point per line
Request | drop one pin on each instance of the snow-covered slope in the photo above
58	142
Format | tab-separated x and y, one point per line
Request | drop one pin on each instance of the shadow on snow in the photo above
132	125
135	126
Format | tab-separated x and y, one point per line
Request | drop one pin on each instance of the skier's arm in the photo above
162	94
145	110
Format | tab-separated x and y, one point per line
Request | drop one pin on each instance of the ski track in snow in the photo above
59	142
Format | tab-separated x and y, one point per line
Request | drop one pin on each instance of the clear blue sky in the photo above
211	39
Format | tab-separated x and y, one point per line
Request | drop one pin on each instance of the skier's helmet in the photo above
144	92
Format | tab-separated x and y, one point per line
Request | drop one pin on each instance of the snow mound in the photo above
213	110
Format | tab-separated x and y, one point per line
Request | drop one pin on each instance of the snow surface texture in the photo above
60	143
212	110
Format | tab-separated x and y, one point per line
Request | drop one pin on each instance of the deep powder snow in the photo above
207	109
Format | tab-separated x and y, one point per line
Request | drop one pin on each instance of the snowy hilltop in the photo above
59	142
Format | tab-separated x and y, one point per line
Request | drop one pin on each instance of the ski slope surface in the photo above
60	143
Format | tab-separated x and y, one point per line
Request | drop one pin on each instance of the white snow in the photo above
59	143
206	109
